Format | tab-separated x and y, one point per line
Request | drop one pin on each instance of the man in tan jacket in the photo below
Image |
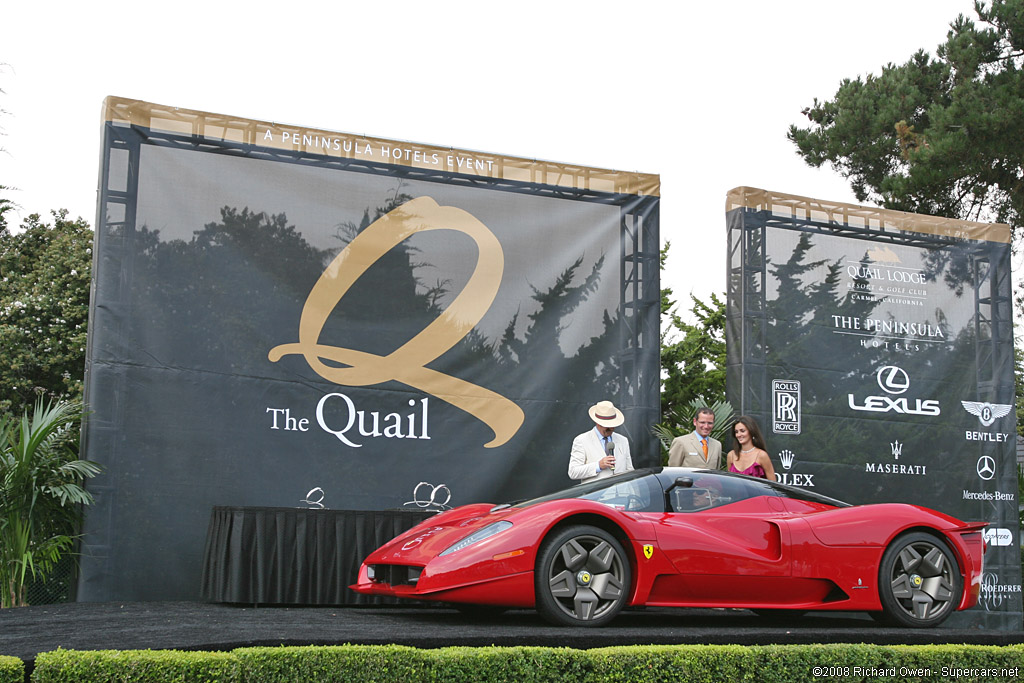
697	449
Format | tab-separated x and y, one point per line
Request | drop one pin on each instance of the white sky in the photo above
700	93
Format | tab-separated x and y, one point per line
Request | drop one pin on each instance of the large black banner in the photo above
283	314
875	348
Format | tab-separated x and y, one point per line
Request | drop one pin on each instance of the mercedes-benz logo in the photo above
986	467
893	380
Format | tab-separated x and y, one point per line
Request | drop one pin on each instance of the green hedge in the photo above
632	664
130	666
12	669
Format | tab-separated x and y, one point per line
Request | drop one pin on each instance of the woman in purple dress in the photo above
748	455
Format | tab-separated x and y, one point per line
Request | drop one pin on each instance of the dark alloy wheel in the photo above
582	577
919	581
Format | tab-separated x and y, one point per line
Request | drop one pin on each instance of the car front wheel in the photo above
919	581
582	577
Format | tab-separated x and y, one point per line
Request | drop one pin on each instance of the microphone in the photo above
609	449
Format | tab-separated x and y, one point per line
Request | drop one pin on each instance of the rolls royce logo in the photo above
408	363
785	406
987	413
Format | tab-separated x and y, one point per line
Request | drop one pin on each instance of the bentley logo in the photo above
648	551
408	363
986	467
987	413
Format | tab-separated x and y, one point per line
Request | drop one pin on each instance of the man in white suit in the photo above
600	452
697	449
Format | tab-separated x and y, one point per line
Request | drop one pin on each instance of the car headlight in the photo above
478	536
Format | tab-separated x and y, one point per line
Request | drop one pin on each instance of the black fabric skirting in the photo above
295	556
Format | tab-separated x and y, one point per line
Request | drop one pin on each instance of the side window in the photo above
716	491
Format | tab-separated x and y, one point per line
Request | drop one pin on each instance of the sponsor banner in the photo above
293	317
876	345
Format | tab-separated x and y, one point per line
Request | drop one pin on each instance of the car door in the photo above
734	551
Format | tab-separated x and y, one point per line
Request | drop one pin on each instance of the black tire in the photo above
919	581
582	577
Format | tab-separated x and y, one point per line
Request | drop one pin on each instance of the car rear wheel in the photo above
582	577
919	581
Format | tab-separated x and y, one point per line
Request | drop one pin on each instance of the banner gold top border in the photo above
219	127
856	216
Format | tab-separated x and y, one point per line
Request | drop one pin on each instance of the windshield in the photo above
637	491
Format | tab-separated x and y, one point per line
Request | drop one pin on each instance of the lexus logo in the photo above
893	380
986	467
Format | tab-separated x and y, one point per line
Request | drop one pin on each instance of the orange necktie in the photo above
704	443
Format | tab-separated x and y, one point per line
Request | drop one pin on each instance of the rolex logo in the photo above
787	458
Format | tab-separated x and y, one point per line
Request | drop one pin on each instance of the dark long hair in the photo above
755	433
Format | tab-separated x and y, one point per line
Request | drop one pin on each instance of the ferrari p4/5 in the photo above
686	538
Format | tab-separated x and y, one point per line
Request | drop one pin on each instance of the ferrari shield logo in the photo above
648	551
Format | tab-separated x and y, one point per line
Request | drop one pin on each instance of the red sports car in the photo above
686	538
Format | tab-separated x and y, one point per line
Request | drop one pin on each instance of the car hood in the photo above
434	535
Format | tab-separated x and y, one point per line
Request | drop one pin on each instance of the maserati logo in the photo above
408	364
787	458
897	449
986	467
893	380
987	413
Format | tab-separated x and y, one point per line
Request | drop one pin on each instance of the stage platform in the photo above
26	631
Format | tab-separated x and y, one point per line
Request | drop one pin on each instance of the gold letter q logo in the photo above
406	364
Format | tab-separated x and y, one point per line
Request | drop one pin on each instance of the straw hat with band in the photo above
605	414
